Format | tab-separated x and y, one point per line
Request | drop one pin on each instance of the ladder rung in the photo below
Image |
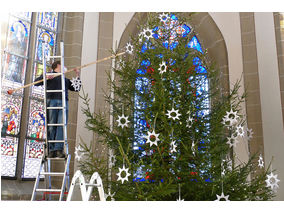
56	141
55	124
55	56
54	107
53	173
89	184
56	159
55	90
48	190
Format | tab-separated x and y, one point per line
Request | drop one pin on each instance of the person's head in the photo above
56	66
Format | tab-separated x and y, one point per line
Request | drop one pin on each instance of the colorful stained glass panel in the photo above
32	158
36	127
49	38
9	147
18	36
14	69
48	20
10	114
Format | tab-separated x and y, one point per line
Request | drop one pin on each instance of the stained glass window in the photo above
13	71
168	33
46	32
13	76
48	20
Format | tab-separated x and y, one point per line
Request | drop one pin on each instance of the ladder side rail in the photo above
96	178
64	177
44	97
78	175
64	120
37	182
64	112
47	180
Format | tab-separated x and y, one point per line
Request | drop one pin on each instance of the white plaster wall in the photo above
229	25
121	20
273	134
88	74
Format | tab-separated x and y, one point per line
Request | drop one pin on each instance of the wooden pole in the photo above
10	92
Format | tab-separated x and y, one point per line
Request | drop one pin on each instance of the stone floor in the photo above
20	190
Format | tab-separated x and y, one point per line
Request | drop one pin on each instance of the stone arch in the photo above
207	32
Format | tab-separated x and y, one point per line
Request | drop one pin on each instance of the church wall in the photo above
270	97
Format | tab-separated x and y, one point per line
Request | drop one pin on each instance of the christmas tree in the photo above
174	130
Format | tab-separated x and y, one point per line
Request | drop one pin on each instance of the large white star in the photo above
151	134
230	118
126	174
272	181
163	67
176	116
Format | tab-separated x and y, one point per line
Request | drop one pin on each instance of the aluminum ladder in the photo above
45	165
86	188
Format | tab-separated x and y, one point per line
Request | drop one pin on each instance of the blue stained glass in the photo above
144	48
141	84
194	43
47	37
160	55
155	35
141	71
48	19
146	63
24	27
173	17
208	180
186	30
172	62
166	44
199	69
173	45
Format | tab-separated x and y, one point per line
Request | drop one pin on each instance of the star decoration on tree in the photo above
240	131
152	138
111	159
232	141
147	33
110	195
260	161
123	121
125	178
173	146
164	17
129	48
163	67
173	111
230	118
222	196
189	122
77	155
249	134
76	83
272	181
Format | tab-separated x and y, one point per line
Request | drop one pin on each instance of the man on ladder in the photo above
55	116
